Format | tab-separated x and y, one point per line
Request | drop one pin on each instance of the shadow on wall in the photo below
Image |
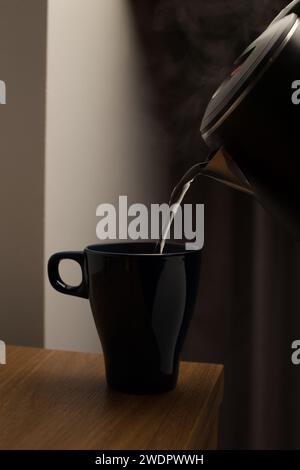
22	122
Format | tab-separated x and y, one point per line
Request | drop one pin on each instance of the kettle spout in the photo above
222	168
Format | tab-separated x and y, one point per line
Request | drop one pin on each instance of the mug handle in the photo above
56	281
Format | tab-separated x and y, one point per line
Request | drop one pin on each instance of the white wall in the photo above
100	141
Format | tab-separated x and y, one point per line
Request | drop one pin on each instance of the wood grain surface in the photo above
59	400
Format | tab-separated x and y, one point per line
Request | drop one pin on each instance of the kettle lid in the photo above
247	70
293	7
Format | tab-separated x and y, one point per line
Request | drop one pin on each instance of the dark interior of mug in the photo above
148	248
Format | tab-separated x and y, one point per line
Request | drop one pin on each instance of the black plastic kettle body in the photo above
252	123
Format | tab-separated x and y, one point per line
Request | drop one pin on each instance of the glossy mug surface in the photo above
142	304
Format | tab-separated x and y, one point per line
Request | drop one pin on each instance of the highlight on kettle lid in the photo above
293	7
246	72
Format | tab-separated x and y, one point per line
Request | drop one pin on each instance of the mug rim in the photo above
184	252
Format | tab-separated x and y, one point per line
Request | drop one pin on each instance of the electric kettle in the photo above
252	122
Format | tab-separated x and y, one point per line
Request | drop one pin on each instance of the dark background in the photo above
248	310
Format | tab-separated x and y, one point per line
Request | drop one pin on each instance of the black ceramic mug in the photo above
142	304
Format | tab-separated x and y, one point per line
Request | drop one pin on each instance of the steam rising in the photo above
190	46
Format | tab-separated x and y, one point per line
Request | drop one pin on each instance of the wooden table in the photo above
59	400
